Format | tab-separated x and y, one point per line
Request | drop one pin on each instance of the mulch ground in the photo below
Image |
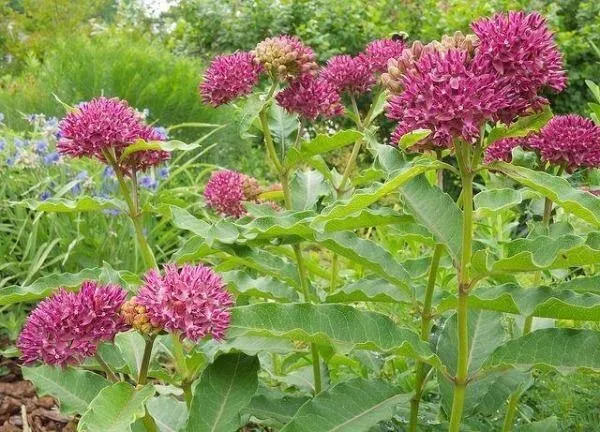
20	407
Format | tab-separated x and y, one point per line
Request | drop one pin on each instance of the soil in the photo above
20	407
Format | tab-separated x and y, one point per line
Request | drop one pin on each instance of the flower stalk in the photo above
463	156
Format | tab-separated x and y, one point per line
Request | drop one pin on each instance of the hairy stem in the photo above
107	369
460	380
143	375
187	392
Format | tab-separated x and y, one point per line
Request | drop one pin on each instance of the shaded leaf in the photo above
115	408
370	290
82	204
225	388
495	200
263	287
354	405
169	414
321	144
521	128
274	408
73	388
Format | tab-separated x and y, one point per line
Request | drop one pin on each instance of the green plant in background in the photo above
348	298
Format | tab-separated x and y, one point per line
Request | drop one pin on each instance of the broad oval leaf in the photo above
327	324
413	137
45	285
560	348
82	204
321	144
225	388
580	203
73	388
274	408
521	128
369	290
354	405
491	201
115	408
263	287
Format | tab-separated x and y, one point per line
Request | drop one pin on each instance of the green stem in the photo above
145	361
460	380
316	363
547	211
131	198
149	423
187	392
334	269
107	369
426	318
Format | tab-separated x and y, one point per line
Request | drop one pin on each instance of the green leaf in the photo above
82	204
486	333
365	218
543	302
225	388
262	287
249	114
307	187
369	290
436	211
274	408
354	405
168	146
539	253
131	346
521	128
413	137
282	125
115	408
321	144
561	348
326	324
169	414
491	201
45	285
549	424
183	219
73	388
365	197
581	204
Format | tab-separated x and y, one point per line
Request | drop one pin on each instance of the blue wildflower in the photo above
2	143
20	143
163	172
162	132
148	183
41	146
108	172
45	195
82	175
51	158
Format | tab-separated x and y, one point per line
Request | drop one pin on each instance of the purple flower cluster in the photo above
570	140
108	125
68	327
443	94
519	49
190	300
226	192
311	97
379	52
229	77
501	150
349	74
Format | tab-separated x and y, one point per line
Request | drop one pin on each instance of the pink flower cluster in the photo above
226	192
443	94
68	327
349	74
501	150
311	97
570	140
108	125
379	52
453	93
229	77
190	300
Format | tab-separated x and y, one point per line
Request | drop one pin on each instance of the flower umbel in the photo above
68	327
190	300
311	97
519	48
285	57
108	125
569	140
442	94
379	52
349	74
229	77
227	190
501	150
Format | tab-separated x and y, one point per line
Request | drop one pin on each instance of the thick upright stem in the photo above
426	318
460	380
143	375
